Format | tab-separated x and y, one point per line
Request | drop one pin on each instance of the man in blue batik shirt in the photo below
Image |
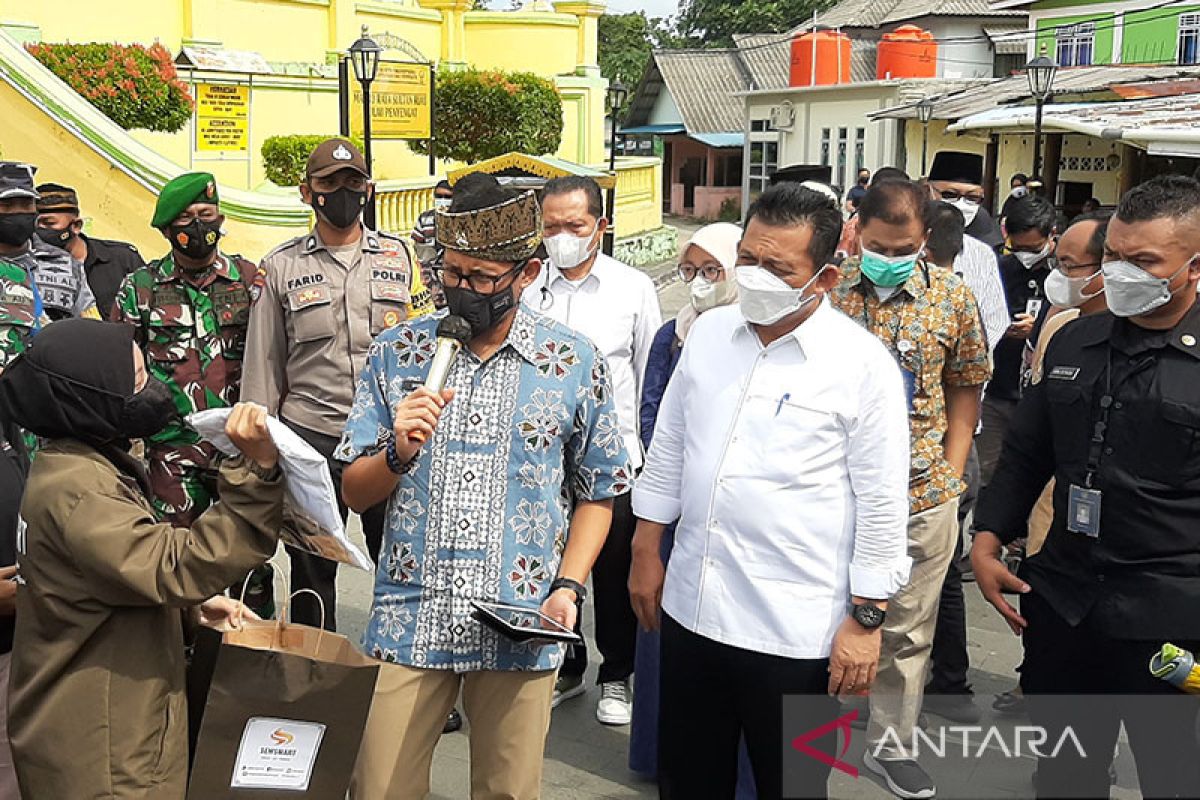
508	500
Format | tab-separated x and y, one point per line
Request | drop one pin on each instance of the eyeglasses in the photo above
477	281
952	195
1054	263
711	272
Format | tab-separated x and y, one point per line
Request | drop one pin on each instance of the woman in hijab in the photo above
97	685
706	266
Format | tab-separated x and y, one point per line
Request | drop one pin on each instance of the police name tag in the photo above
1083	511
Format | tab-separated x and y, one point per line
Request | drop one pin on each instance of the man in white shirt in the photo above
781	448
616	307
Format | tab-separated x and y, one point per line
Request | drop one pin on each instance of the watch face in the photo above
868	616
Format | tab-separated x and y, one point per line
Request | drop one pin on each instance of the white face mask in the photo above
708	295
1132	291
969	209
442	202
1030	260
1066	292
567	250
1019	191
765	299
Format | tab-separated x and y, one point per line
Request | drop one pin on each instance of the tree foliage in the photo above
625	44
482	114
133	85
712	23
285	157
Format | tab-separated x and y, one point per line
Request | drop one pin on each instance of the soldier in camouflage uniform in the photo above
190	309
20	304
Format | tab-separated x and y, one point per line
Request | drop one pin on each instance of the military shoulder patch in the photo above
257	283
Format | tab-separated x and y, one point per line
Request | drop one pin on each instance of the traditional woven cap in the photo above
957	167
56	197
507	232
177	195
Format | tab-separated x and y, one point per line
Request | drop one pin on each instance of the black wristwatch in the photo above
575	586
868	615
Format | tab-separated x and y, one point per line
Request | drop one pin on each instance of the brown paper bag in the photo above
285	714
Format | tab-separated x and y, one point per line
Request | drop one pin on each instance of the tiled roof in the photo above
1008	39
703	84
766	57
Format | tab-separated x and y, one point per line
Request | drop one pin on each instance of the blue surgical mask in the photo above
888	270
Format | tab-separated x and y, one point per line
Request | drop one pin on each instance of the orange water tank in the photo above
907	52
820	58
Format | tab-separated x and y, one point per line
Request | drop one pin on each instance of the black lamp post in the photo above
364	56
616	98
924	114
1040	72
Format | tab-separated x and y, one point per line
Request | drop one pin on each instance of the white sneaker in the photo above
566	687
614	707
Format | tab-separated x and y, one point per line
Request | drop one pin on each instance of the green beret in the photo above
178	194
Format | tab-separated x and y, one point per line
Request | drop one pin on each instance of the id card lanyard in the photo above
1084	502
900	347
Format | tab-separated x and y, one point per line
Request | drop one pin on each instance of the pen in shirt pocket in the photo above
786	396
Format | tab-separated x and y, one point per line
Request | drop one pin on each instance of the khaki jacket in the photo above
97	684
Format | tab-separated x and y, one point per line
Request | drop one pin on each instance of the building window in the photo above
729	170
1074	44
860	151
825	134
764	160
1189	39
839	176
759	125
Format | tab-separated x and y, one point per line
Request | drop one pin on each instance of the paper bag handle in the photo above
281	621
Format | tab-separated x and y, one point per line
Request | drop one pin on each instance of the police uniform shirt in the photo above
60	280
1140	577
106	265
313	320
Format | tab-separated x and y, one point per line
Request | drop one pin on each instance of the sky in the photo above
653	8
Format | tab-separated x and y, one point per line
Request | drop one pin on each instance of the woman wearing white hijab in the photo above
706	266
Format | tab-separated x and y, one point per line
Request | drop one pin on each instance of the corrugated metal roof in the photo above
1163	125
704	85
876	13
1008	39
1068	81
766	56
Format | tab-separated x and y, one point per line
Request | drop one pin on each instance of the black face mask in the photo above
481	311
197	239
863	181
340	208
56	238
16	229
149	411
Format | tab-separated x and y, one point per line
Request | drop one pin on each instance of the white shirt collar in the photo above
810	335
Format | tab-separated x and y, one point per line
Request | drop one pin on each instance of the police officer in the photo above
105	263
21	311
1115	420
320	300
62	288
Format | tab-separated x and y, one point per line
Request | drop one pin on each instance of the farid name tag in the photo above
1083	511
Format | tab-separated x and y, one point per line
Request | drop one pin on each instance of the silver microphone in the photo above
452	333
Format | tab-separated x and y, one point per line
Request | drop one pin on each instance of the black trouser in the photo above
996	416
616	624
1065	660
712	694
320	574
949	660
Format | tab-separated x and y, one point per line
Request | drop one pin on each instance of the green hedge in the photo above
134	86
284	157
482	114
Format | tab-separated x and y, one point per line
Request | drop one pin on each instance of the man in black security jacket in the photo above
1116	421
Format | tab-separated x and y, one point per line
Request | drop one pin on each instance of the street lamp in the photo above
364	56
924	114
616	98
1040	72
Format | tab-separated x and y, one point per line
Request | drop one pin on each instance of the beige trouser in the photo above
908	632
509	715
8	773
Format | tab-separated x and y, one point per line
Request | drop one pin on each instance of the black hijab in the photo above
72	383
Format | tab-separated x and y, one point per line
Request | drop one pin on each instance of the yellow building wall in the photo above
306	31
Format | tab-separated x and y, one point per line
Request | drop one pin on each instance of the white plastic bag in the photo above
312	521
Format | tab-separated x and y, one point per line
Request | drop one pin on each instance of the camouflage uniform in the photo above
18	310
193	336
